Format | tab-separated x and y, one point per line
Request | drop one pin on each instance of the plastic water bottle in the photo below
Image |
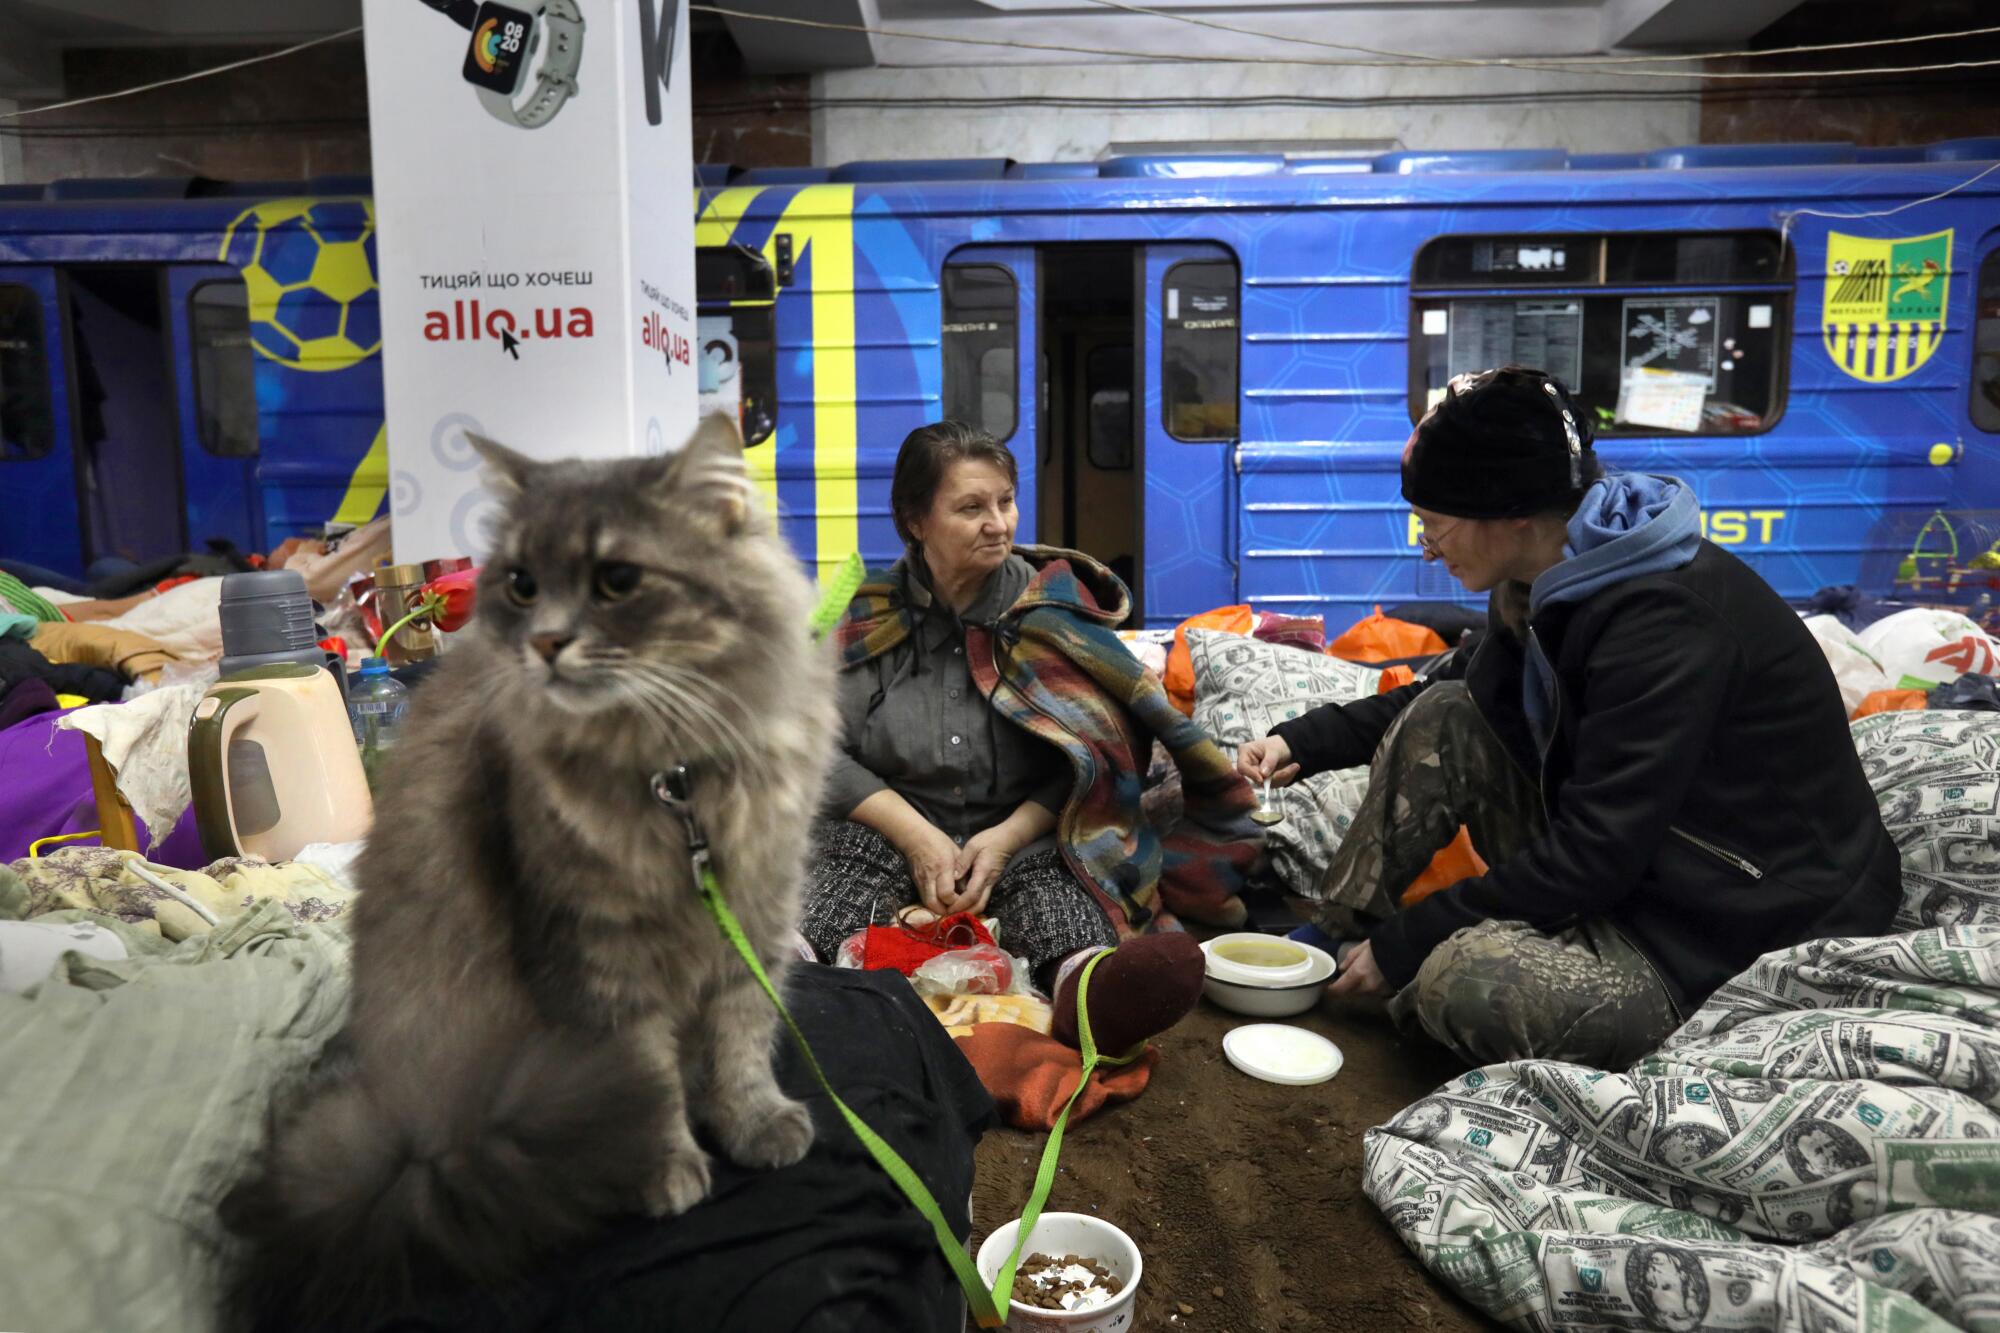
376	704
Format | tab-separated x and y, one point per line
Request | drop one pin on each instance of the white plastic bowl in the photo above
1069	1233
1296	994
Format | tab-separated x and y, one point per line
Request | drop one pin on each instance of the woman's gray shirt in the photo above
913	722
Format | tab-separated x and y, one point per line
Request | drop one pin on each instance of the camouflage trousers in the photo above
1500	990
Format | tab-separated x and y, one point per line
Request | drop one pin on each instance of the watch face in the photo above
499	52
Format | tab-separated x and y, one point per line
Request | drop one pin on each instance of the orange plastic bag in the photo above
1891	701
1180	666
1456	862
1395	678
1377	638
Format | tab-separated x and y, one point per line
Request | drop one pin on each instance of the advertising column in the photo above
534	204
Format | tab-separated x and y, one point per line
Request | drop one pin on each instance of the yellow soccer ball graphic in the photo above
308	268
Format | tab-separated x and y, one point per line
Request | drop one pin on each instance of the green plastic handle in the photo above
208	774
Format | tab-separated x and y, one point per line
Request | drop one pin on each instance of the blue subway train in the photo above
1207	365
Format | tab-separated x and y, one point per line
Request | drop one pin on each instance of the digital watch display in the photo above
523	62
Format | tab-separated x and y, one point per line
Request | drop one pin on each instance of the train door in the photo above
215	403
1113	371
37	476
1088	457
1187	432
989	339
163	409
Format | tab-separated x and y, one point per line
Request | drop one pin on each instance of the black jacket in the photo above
1702	789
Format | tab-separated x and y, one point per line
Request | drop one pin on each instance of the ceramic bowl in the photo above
1294	994
1069	1233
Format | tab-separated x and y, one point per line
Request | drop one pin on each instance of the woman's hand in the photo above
1359	977
933	859
1269	758
980	864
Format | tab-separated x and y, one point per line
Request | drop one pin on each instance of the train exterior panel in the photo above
1207	367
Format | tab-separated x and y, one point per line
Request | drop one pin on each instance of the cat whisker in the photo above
687	688
683	715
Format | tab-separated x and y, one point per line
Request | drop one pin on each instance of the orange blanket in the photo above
1031	1075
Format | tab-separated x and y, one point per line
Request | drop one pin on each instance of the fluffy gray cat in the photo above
541	1001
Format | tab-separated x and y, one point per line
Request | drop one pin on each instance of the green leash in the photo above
989	1305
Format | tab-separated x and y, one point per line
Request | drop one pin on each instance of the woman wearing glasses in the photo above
1647	748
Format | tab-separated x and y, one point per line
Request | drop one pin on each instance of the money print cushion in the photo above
1936	776
1243	688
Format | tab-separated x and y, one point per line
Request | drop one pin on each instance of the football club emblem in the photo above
1885	302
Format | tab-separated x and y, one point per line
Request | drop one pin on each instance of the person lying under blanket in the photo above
1648	749
978	681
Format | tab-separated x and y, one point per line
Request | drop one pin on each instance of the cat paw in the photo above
774	1133
680	1183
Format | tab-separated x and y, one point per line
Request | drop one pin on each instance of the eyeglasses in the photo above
1432	543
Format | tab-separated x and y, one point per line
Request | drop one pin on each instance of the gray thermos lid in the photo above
267	618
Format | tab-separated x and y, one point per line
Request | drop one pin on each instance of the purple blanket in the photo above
45	790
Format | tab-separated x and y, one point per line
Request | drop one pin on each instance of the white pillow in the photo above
1936	776
1242	688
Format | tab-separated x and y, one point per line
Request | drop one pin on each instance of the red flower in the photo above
455	590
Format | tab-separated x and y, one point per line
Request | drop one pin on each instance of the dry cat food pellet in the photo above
1070	1282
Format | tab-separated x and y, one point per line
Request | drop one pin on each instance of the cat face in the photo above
619	586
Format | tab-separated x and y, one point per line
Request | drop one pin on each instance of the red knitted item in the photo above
907	948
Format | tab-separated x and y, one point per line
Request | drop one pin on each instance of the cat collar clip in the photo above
674	788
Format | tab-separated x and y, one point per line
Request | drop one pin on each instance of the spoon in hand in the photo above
1266	813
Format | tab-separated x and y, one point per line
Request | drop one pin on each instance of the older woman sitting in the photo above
996	733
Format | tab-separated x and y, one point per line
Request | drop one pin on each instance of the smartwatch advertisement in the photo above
502	38
534	203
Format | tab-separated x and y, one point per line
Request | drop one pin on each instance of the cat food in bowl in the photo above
1078	1274
1263	976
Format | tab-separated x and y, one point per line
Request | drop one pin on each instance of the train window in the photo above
1986	346
1198	350
737	329
1657	334
1589	260
225	368
732	273
27	418
739	367
981	337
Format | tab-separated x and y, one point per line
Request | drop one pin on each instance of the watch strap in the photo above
555	77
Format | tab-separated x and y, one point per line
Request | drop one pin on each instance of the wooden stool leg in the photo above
114	817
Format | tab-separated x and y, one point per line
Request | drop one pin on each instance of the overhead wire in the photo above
258	59
1550	64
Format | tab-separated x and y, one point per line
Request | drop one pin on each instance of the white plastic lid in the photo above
1281	1053
1292	961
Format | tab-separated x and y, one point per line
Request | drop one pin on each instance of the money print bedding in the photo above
1816	1149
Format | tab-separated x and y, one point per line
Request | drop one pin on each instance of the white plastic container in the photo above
1284	987
1069	1233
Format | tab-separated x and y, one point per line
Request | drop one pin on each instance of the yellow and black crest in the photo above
1885	302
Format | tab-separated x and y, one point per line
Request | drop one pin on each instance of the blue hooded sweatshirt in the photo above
1629	524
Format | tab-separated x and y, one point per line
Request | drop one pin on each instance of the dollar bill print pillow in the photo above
1936	777
1243	688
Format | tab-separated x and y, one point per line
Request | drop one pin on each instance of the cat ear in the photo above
507	470
710	473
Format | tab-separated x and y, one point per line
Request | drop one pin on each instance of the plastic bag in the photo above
1179	675
1377	638
1927	646
979	969
1856	671
1892	701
